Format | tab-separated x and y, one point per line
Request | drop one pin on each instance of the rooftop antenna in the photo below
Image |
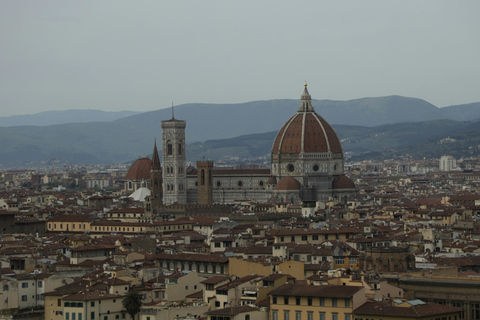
173	116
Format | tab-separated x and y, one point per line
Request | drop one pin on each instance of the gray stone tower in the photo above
174	161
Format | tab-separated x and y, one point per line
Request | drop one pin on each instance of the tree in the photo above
132	302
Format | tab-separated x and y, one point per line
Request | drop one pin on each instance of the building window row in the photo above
310	302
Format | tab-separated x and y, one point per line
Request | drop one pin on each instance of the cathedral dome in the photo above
343	182
306	132
140	169
287	183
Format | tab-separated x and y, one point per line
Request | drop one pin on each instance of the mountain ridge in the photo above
127	138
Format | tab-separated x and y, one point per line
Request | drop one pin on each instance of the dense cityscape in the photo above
306	237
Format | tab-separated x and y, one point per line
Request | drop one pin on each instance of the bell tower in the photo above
205	191
174	161
156	188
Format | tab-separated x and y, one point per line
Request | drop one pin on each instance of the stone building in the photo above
458	292
307	165
174	161
388	259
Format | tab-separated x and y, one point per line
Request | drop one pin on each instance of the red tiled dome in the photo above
272	180
343	182
140	169
287	183
306	131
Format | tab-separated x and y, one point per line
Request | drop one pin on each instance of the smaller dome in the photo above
343	182
287	183
272	180
140	169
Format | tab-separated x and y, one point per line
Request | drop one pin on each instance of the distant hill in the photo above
463	112
239	130
357	142
263	116
213	121
49	118
93	144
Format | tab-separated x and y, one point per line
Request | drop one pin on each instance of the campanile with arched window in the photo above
174	161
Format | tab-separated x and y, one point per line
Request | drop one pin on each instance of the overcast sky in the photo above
144	55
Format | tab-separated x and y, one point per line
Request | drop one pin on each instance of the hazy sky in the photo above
144	55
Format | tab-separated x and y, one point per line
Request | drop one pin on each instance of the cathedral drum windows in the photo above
315	168
290	167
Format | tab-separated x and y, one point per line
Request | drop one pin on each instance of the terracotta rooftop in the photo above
428	309
287	183
306	132
140	169
191	257
327	291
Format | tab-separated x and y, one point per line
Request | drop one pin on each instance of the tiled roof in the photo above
327	291
287	183
230	311
94	247
73	218
215	280
343	182
306	132
196	295
89	295
276	276
428	309
68	289
140	169
191	257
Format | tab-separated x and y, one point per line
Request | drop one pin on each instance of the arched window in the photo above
129	184
202	177
169	148
179	151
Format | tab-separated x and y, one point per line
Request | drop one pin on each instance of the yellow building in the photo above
308	302
53	299
90	305
106	227
71	223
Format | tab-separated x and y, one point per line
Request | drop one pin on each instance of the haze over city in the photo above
145	55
